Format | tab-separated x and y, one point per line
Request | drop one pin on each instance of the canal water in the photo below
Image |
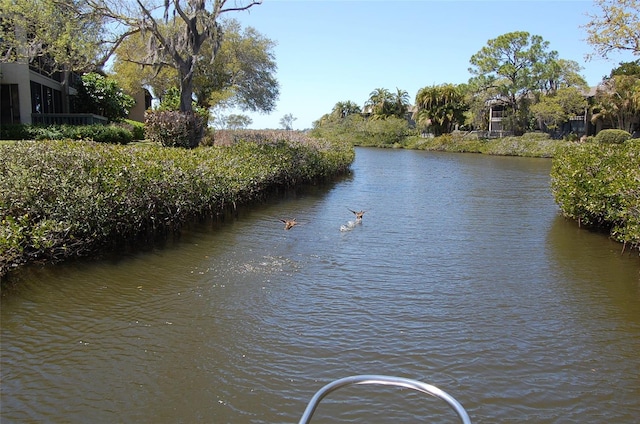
462	274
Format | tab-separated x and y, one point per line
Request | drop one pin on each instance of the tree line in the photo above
533	86
518	72
198	61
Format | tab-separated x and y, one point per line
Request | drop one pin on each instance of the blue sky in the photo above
338	50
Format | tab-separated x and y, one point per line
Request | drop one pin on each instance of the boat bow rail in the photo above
387	381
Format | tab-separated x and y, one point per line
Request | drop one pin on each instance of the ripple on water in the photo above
459	275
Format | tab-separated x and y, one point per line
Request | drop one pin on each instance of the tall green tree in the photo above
64	33
379	103
400	102
616	27
476	98
286	121
238	121
131	70
242	73
561	95
514	65
558	107
382	103
561	73
440	108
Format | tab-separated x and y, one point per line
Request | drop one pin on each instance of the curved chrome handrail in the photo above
384	380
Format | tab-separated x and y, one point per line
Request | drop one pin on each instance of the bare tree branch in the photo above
239	9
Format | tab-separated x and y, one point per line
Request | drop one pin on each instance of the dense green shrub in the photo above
396	133
385	132
528	145
99	133
599	186
348	129
61	199
230	137
136	128
612	136
174	129
102	96
34	132
535	136
14	132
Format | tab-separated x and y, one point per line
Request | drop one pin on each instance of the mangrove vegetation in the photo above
66	199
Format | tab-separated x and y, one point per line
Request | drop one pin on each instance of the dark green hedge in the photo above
598	185
60	199
115	134
612	136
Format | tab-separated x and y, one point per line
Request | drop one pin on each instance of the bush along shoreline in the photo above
68	199
598	185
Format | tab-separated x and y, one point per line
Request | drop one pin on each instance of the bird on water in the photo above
289	223
358	214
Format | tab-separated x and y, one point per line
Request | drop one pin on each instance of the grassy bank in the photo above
530	145
63	199
394	133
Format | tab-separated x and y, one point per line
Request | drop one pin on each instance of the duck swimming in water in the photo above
289	223
358	214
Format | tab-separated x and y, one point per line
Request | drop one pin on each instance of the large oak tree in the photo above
178	46
242	73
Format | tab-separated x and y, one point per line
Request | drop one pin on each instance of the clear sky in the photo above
341	50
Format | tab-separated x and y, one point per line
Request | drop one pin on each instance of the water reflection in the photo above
596	266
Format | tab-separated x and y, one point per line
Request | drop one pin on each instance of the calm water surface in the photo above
462	274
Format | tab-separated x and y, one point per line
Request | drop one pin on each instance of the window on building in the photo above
45	99
36	98
9	104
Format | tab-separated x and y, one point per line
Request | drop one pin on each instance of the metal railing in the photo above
67	119
388	381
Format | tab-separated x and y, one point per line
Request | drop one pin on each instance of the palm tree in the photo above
401	102
440	106
618	97
379	102
344	109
